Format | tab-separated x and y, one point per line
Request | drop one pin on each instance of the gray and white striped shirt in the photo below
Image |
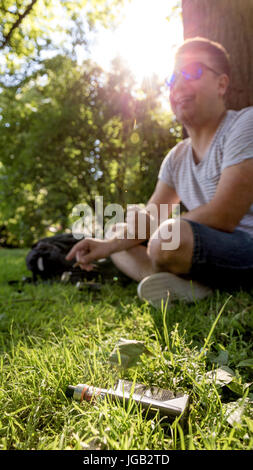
196	184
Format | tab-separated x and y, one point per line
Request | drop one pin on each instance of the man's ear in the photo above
223	84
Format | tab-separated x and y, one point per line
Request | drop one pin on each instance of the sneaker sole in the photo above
168	287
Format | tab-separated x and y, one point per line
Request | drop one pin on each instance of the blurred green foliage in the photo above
68	132
29	27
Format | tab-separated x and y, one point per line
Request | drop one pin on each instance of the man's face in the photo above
194	101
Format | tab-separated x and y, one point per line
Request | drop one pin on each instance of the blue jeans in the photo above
221	259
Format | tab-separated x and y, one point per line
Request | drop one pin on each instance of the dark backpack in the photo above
47	261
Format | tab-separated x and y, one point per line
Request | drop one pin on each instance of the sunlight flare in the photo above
146	39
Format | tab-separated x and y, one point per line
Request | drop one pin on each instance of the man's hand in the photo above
88	250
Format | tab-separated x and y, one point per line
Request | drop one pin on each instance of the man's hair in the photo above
216	51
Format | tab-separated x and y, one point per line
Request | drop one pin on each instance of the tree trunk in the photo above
229	22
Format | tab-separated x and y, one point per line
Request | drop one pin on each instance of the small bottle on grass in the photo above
152	399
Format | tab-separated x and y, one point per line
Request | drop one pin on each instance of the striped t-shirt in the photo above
196	184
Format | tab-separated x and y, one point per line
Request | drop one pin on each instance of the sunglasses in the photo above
190	72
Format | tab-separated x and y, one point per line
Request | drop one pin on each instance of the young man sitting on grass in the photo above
211	172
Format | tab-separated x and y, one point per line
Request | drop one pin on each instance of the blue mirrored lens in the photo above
192	71
170	81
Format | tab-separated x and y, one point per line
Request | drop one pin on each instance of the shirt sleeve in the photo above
239	143
165	173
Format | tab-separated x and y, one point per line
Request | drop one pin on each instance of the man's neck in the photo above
202	135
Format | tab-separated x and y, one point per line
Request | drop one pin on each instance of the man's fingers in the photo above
86	267
85	259
72	253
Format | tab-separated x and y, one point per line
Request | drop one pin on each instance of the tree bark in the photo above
229	22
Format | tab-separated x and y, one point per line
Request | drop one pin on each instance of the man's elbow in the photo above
225	224
222	220
228	228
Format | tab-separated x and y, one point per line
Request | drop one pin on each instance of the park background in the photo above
84	111
84	107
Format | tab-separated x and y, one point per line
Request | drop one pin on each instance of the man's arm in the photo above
232	199
89	249
163	194
157	209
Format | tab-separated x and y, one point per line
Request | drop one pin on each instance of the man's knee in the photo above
171	246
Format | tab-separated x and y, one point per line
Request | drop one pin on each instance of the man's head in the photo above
200	80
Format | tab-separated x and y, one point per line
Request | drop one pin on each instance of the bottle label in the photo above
89	393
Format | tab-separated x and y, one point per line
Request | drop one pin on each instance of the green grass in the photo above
53	335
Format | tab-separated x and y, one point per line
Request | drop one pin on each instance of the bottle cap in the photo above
70	391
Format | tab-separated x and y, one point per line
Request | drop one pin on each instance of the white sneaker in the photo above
169	287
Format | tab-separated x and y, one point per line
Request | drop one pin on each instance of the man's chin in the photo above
184	118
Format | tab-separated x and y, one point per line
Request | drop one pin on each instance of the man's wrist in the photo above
111	245
120	244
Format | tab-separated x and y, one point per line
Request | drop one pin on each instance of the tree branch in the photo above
15	25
